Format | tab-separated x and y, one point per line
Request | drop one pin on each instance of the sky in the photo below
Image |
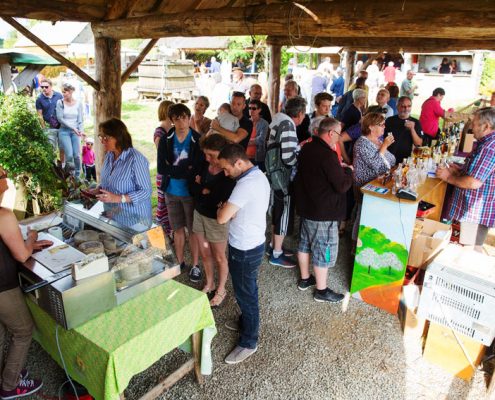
4	29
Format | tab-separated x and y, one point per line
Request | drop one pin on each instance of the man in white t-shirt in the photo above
246	210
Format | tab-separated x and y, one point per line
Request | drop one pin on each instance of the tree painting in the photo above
391	260
368	257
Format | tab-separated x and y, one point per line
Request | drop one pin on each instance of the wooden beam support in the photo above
130	69
26	76
391	44
120	9
350	60
274	78
57	56
6	78
52	10
108	100
451	18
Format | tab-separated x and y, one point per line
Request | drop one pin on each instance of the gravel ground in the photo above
307	350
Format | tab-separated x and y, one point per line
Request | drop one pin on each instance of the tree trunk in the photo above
349	69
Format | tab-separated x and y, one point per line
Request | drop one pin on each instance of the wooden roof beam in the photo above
450	19
57	56
52	10
411	45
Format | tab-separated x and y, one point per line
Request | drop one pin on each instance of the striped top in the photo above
129	175
478	205
288	137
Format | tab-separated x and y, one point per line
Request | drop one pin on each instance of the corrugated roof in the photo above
62	33
23	59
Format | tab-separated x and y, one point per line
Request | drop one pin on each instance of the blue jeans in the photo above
70	143
243	267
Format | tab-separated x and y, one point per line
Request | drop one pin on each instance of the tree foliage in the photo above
487	85
25	151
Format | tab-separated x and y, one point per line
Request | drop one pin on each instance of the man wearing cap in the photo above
88	160
46	107
408	87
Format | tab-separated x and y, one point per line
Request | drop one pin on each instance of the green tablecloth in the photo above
107	351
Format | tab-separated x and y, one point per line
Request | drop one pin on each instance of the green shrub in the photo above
487	85
25	151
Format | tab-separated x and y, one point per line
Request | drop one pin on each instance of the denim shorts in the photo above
321	239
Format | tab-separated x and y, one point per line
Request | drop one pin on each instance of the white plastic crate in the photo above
459	292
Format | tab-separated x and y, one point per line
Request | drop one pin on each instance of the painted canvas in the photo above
385	234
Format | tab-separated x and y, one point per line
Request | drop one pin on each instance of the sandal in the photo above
210	291
218	299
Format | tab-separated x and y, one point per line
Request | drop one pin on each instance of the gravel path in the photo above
307	350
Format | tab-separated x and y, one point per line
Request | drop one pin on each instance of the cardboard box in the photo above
466	145
423	245
443	349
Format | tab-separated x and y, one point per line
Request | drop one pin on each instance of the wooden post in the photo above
274	78
6	77
349	68
107	101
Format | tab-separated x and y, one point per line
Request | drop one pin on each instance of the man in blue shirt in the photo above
179	159
45	106
337	89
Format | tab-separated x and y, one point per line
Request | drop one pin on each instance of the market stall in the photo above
104	302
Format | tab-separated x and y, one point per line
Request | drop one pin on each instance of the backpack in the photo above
277	172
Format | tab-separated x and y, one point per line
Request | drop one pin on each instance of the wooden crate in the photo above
442	349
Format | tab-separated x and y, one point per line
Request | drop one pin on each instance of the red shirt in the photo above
389	74
431	111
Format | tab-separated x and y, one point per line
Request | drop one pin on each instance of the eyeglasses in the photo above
45	87
253	108
104	138
337	132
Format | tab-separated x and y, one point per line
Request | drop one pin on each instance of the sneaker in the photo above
303	284
287	252
25	387
195	274
282	261
329	296
183	267
239	354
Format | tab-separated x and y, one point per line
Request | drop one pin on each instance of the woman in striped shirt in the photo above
125	178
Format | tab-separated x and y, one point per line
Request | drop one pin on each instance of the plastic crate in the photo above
459	293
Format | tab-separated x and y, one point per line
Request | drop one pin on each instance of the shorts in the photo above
180	211
473	234
282	213
321	239
210	228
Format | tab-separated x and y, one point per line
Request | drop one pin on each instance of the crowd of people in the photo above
217	180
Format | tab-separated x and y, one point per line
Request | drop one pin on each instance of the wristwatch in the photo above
122	199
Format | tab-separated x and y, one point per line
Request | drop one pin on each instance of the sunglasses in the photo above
253	108
45	87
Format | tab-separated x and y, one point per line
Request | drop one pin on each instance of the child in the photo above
88	159
226	119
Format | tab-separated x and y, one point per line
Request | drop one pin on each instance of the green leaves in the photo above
25	151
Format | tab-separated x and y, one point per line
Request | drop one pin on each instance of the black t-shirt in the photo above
402	147
302	130
8	269
247	125
351	116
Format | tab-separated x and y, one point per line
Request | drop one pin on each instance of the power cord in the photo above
63	364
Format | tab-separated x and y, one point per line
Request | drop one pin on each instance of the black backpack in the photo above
277	172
